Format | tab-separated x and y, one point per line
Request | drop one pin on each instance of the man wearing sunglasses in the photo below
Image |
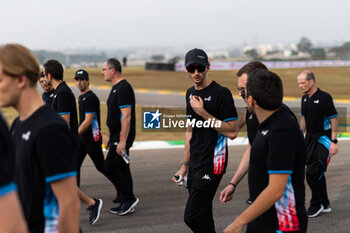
206	153
48	94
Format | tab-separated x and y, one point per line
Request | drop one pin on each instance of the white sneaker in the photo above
327	209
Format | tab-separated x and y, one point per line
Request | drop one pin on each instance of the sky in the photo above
107	24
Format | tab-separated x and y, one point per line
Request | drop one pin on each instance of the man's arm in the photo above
228	129
242	121
333	149
302	124
186	159
66	117
66	193
227	194
124	132
89	117
267	198
11	218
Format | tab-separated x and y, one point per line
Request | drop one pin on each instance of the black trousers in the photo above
118	172
202	187
315	175
94	150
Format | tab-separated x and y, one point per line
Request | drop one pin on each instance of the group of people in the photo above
42	154
40	175
276	154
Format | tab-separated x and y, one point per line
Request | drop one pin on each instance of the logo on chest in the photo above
316	101
26	136
207	99
264	132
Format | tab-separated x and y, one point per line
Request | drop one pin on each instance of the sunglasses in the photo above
192	68
243	92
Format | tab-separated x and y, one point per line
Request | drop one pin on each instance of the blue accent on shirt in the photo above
333	116
5	189
51	210
60	176
63	113
324	140
280	172
124	106
231	119
90	113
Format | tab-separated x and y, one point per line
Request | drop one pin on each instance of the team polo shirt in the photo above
318	110
64	103
279	148
121	96
90	104
45	152
6	161
208	148
48	97
253	123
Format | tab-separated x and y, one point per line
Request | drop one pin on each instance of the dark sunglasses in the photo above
243	92
192	68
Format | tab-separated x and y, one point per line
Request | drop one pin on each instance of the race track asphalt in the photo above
162	203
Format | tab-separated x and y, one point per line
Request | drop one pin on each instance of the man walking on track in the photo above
121	125
206	153
319	120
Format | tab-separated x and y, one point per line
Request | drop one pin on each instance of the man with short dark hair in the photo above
252	123
276	165
90	139
48	94
121	125
45	151
65	105
319	120
206	153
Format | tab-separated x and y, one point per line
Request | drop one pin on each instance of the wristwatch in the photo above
335	141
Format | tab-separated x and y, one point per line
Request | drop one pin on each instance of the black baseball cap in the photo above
196	56
81	74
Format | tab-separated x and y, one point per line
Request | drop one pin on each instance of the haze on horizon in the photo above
108	24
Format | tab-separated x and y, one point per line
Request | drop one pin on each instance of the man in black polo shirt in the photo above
206	151
90	138
45	167
121	125
276	165
64	104
48	89
319	120
252	123
252	127
10	221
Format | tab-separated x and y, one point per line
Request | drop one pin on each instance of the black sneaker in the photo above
94	211
327	209
127	206
314	211
249	201
118	200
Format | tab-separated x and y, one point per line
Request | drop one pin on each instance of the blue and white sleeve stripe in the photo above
60	176
5	189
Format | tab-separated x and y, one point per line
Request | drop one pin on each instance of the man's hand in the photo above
234	228
181	172
197	104
121	148
107	143
227	194
333	149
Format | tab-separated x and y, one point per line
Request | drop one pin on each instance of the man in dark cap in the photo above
206	153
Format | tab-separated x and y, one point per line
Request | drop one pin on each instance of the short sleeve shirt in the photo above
48	97
45	152
318	110
6	160
208	148
64	103
121	96
90	104
279	148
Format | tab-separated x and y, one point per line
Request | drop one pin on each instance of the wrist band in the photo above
184	163
234	185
